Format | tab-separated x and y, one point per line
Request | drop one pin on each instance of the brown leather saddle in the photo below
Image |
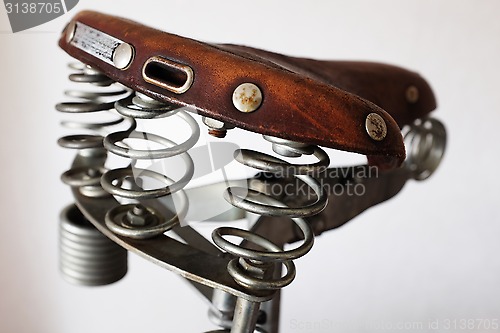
352	106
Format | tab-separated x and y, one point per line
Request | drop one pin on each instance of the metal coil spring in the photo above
93	101
87	257
87	178
139	220
249	268
425	142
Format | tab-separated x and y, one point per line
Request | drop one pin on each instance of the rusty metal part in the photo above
295	106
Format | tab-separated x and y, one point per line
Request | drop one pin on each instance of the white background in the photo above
429	255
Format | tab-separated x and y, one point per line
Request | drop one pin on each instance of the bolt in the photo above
123	55
138	216
139	210
217	133
412	94
216	128
376	127
247	97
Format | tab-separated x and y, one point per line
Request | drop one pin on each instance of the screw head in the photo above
123	55
376	127
247	97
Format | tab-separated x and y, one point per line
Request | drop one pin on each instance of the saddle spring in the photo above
146	217
87	257
258	261
146	209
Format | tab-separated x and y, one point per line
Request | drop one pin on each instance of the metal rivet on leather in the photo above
376	127
247	97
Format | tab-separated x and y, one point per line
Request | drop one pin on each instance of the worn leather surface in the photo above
305	100
383	84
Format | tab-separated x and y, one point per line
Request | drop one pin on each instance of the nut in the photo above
138	216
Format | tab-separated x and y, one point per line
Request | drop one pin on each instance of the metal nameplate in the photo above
95	42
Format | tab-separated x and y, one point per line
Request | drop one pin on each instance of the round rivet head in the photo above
247	97
412	94
376	127
70	31
123	55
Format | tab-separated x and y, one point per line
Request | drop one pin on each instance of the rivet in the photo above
412	94
70	31
247	97
123	55
376	127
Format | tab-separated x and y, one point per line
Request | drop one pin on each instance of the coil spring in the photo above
138	220
87	257
425	142
250	267
87	178
93	100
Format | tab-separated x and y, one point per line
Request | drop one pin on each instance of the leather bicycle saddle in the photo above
328	103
